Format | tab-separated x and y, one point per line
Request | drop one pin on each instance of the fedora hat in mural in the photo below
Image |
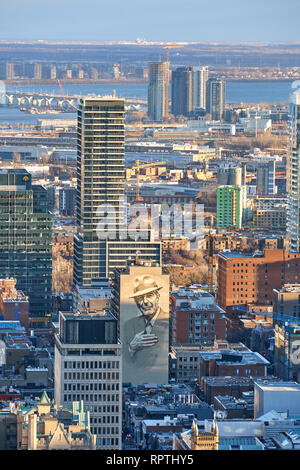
144	285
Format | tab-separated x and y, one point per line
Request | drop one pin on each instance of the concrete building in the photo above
88	367
283	397
286	300
158	91
231	176
265	178
269	212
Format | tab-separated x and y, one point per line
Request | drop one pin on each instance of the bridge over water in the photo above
55	102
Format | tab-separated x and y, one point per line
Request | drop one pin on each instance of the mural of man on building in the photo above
145	336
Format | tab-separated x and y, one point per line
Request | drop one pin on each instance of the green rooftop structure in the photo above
26	239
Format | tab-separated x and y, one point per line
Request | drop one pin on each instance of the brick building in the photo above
195	318
243	363
251	278
225	386
13	303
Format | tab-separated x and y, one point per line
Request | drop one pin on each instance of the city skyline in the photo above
154	21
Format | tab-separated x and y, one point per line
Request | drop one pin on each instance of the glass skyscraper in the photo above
26	239
293	175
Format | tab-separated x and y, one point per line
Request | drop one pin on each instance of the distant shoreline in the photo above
137	81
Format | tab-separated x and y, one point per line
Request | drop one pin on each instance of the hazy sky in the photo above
156	20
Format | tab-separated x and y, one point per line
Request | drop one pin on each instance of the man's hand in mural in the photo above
141	341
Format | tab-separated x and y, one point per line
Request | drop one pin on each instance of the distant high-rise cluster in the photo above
188	90
193	94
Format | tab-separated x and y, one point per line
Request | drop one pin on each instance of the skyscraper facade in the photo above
293	175
102	242
100	180
215	98
88	367
158	91
182	91
188	90
265	178
26	239
200	77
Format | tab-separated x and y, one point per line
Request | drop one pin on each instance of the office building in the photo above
102	242
249	278
25	239
158	91
88	368
67	201
200	77
293	180
231	206
215	98
182	91
265	178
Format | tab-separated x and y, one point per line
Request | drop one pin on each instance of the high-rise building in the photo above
37	71
10	73
100	195
200	77
265	178
182	91
88	367
231	206
25	239
230	175
100	180
158	91
293	175
67	201
215	98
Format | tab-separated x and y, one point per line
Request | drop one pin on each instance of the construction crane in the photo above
170	47
63	94
288	322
